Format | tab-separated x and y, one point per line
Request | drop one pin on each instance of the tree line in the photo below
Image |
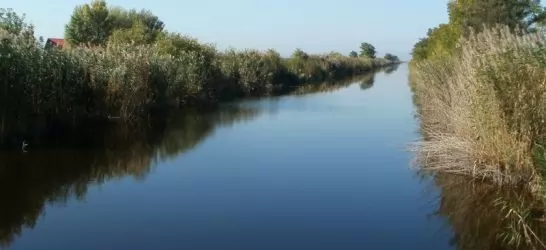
96	24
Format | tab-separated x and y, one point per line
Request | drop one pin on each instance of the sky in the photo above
315	26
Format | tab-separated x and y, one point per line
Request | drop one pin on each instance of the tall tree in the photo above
367	50
89	24
353	54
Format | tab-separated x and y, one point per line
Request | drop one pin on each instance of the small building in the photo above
54	42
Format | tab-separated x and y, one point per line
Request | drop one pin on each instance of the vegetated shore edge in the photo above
132	68
480	92
482	113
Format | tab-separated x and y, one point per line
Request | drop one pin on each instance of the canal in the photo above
324	170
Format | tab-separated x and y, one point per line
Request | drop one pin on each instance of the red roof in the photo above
57	41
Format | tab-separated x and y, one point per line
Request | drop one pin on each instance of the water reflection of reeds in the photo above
485	216
56	173
64	159
365	79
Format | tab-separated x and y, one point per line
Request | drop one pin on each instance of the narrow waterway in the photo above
327	170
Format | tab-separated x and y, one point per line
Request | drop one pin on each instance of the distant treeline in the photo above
122	63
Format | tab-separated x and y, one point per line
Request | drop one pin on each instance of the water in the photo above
326	170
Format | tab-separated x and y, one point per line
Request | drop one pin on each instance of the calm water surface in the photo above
326	170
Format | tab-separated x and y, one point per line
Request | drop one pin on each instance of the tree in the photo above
466	15
300	54
125	20
175	43
420	49
16	24
367	50
477	14
89	24
353	54
11	22
391	57
136	35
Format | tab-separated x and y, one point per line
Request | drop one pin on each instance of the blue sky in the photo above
316	26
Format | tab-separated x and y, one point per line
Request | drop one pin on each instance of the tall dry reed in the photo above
483	110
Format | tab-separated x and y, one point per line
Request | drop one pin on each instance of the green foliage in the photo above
466	16
89	24
391	57
135	35
420	49
353	54
479	14
174	44
15	24
367	50
11	21
94	23
149	24
300	54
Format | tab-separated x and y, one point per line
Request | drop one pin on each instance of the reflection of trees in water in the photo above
333	86
367	82
56	174
61	165
390	69
486	216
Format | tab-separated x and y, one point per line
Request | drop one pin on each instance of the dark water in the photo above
327	170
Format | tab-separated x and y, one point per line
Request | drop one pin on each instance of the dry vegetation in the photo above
483	110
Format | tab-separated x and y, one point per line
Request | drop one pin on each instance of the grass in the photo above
483	110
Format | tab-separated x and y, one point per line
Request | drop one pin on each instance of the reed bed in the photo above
130	81
483	110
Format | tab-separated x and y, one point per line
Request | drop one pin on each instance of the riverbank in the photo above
41	131
133	81
483	110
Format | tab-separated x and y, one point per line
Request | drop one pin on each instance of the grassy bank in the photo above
129	79
483	109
